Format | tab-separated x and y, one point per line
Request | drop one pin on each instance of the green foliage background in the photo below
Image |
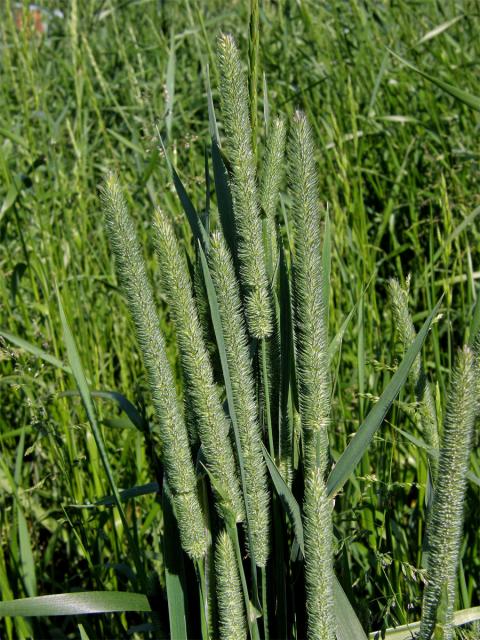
398	167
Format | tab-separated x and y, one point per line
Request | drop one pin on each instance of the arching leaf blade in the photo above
360	442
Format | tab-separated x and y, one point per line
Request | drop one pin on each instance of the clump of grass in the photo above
378	210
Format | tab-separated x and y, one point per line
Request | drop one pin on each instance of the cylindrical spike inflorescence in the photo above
231	610
136	287
318	558
314	380
310	314
406	331
246	410
248	226
210	419
446	518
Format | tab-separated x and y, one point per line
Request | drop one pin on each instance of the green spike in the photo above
406	331
248	226
318	558
271	183
311	329
174	437
231	609
446	518
314	380
208	414
246	409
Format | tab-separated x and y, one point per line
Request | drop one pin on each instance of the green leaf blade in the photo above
69	604
361	440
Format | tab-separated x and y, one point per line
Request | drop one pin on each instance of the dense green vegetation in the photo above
397	162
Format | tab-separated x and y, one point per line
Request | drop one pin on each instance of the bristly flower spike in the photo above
136	287
446	518
317	523
310	316
208	414
246	409
248	226
314	382
231	610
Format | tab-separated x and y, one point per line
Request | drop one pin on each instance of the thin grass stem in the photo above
203	594
266	631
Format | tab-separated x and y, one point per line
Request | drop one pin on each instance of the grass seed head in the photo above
203	397
136	287
310	312
244	398
231	608
446	519
248	225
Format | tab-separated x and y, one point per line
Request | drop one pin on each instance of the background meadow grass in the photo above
398	167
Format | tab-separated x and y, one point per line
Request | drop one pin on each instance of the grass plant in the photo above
219	424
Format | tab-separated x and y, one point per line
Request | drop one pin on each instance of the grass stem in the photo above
203	593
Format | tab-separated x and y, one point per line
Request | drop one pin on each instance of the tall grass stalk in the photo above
310	311
253	64
314	380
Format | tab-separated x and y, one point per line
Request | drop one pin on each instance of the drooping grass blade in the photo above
81	381
408	631
471	101
361	440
